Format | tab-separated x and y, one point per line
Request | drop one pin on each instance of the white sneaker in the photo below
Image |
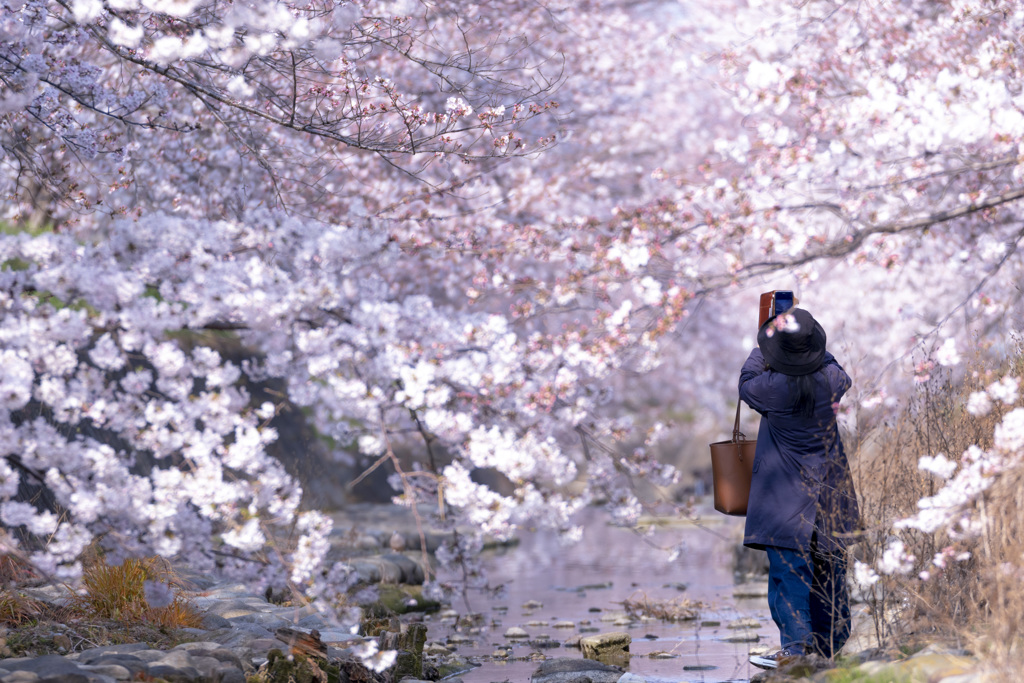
770	661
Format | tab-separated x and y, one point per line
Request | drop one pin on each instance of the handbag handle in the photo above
737	435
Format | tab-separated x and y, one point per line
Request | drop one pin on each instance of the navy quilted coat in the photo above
801	481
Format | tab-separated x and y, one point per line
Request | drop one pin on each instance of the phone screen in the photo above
783	301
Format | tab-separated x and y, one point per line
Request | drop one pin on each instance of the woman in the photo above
802	503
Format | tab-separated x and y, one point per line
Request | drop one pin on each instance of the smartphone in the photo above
783	301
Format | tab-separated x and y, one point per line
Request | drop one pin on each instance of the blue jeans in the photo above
808	599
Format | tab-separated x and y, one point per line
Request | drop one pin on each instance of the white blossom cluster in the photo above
953	509
85	341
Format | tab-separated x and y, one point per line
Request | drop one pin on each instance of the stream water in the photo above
587	582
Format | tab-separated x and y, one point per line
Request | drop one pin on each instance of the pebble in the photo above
755	589
565	669
631	678
614	616
605	644
516	632
744	623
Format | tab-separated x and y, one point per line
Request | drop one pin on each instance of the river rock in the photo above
631	678
46	666
57	595
115	671
566	670
411	571
377	570
744	623
756	589
32	677
133	665
742	637
91	655
613	616
212	622
927	666
605	644
516	632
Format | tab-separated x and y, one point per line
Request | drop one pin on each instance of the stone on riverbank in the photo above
755	589
398	599
605	645
744	624
931	664
566	670
452	665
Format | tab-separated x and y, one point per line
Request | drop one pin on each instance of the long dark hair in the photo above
802	387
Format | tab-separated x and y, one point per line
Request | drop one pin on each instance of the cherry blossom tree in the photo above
469	227
281	174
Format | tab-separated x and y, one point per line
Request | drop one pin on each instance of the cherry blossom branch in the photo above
851	242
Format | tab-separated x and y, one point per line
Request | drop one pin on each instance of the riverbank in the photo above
686	619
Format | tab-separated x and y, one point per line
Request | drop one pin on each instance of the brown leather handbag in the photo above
732	465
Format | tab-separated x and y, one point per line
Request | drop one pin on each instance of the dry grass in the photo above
674	609
978	603
15	570
117	592
16	610
110	609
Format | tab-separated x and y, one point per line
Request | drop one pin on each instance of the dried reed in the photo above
674	609
977	603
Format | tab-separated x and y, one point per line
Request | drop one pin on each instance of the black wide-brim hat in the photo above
793	352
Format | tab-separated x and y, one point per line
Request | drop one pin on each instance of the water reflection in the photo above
589	581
